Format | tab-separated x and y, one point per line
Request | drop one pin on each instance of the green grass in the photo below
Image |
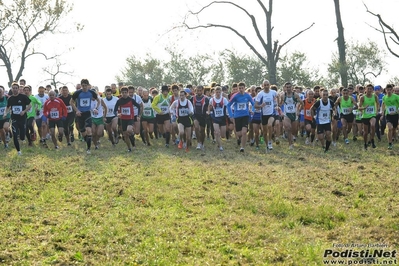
159	206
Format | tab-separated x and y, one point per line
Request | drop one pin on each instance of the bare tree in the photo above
22	24
55	72
271	47
343	68
388	32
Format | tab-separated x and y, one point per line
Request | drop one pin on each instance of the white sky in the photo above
115	30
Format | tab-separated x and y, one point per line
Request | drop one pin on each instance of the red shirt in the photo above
55	109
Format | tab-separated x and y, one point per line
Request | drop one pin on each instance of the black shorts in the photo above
366	121
393	119
2	122
265	119
221	121
201	120
52	123
186	121
69	120
148	120
311	123
349	117
258	122
126	123
108	120
241	122
162	118
84	120
322	128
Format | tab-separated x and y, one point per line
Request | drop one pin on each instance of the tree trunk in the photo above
343	70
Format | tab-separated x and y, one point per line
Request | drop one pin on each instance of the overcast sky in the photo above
115	30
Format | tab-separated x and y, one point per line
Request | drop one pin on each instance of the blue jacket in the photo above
241	107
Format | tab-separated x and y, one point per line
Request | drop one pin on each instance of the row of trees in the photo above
365	62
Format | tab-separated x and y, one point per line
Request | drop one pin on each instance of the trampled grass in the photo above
159	206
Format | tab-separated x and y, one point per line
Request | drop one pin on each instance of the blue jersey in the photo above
83	99
241	105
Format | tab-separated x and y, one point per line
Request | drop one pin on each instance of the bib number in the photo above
125	111
55	114
85	102
2	110
218	112
147	112
164	109
290	108
16	110
392	109
370	110
241	107
346	111
308	113
69	109
183	112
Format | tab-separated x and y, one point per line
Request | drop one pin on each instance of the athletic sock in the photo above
328	144
312	137
132	140
167	137
88	141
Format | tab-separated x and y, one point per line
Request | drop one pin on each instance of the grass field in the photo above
159	206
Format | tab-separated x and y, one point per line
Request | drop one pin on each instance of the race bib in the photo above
324	115
69	109
308	113
218	112
54	114
268	103
2	110
290	108
391	109
147	112
346	111
16	110
183	112
125	111
164	109
85	102
110	111
241	107
370	110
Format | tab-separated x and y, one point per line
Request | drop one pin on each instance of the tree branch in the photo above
290	39
253	20
236	32
384	25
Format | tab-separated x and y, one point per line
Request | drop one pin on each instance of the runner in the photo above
41	127
19	104
111	120
217	110
390	107
290	100
369	104
125	111
346	105
68	123
98	120
183	109
81	103
137	113
323	109
56	113
30	120
147	117
4	121
161	105
241	101
200	103
267	100
310	122
173	117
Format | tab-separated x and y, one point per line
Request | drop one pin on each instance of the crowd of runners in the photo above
178	114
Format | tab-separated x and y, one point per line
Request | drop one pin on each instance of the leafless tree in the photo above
271	47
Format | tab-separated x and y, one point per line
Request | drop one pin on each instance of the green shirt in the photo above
36	105
371	110
3	106
391	104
